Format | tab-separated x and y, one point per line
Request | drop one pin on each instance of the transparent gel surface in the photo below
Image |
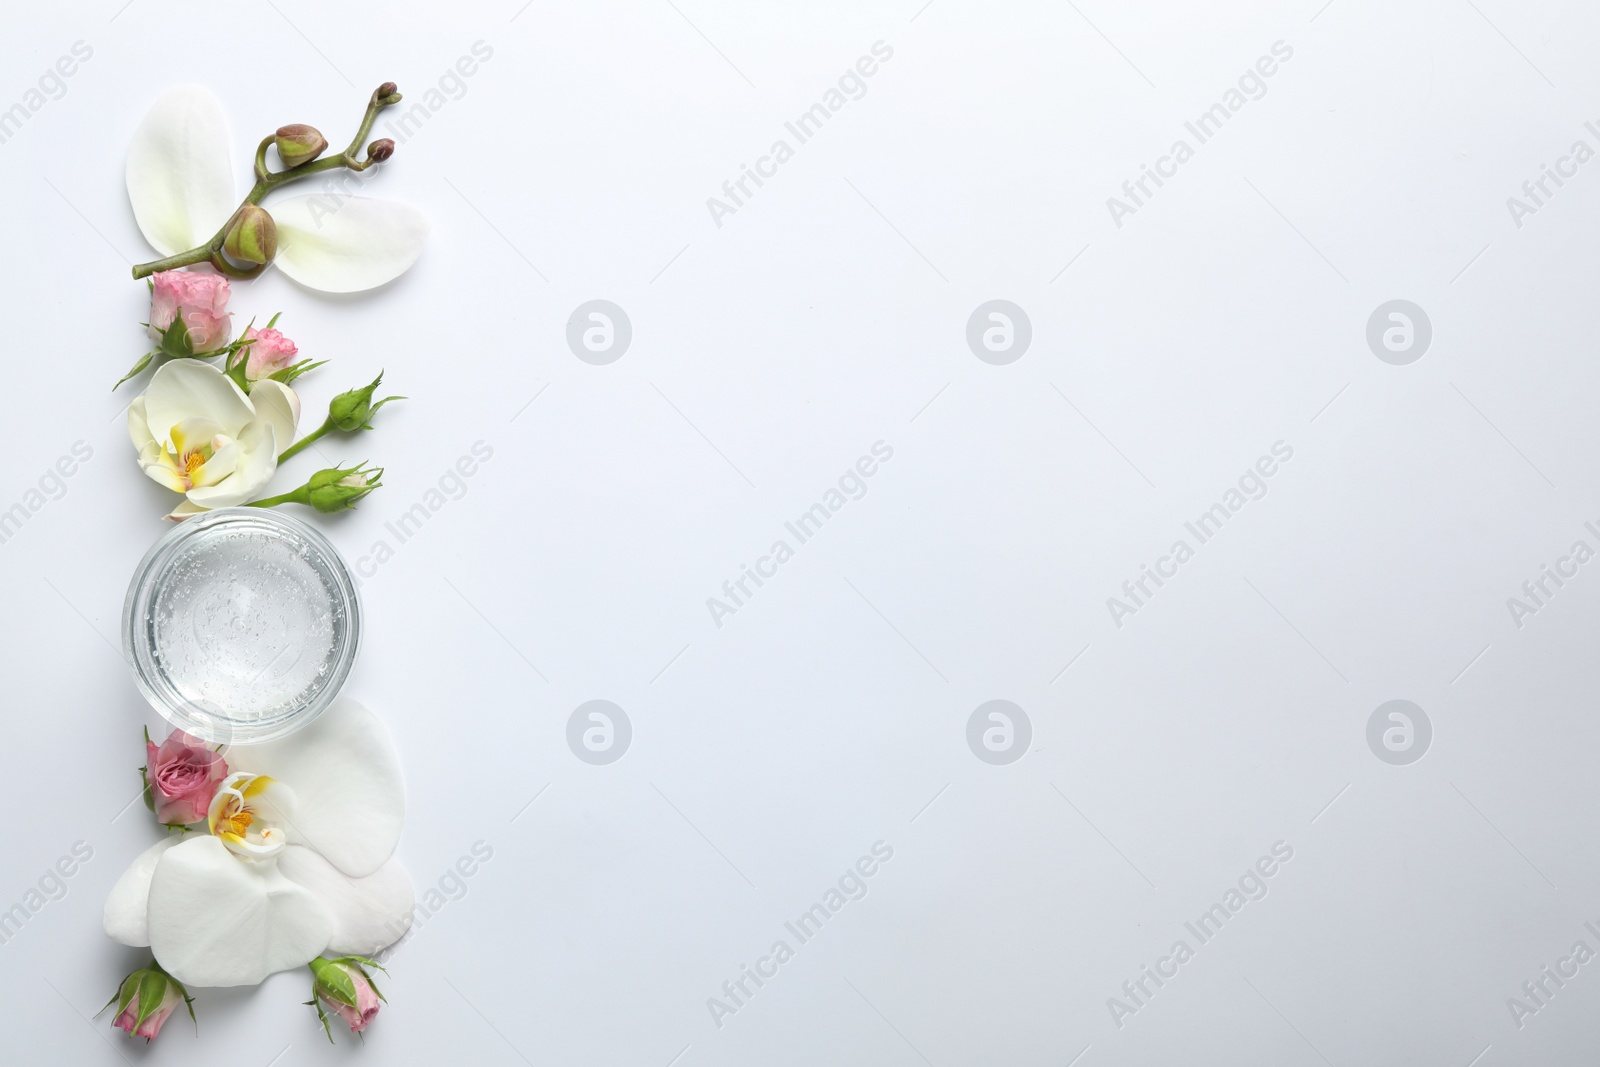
241	625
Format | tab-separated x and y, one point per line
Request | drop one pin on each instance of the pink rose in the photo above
345	987
201	300
270	353
183	775
136	984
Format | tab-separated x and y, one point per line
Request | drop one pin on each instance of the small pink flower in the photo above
128	1020
202	302
183	775
356	1002
271	353
365	1007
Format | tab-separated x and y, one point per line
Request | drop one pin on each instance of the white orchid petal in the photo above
223	462
217	920
257	460
186	389
186	509
195	432
159	467
346	777
278	404
369	914
125	914
139	426
180	177
346	244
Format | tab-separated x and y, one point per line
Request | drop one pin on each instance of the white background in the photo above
826	314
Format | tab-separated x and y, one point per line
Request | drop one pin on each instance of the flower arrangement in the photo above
277	855
220	412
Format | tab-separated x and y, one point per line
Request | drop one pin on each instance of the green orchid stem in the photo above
294	449
301	495
266	181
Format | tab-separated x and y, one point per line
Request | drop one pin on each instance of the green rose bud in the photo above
253	237
299	144
353	410
334	489
331	490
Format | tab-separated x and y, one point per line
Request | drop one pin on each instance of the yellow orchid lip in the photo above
194	443
240	825
234	825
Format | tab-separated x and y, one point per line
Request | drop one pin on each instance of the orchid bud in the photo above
388	94
334	490
350	411
253	237
299	143
145	999
380	150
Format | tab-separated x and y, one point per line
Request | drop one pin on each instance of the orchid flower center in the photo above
241	817
195	443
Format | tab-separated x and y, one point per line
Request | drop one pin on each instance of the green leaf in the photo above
357	963
333	982
294	370
188	1001
152	989
365	960
123	994
378	405
175	340
144	361
149	795
130	986
322	1017
234	369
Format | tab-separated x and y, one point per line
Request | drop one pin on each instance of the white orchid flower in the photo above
180	181
297	864
198	434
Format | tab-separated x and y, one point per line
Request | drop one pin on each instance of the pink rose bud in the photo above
189	312
145	999
269	353
181	778
347	989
